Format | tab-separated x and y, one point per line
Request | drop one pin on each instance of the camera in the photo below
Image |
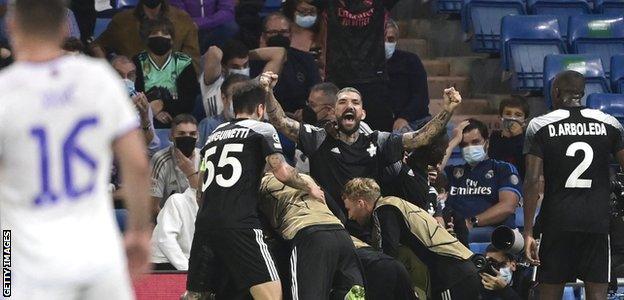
485	265
508	240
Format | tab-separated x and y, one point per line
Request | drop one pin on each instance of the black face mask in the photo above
186	144
278	41
159	45
152	3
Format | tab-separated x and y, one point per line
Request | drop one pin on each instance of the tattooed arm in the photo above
277	117
415	139
290	177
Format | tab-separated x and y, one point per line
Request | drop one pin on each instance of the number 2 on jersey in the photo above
573	180
224	160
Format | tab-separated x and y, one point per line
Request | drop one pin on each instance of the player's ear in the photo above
363	114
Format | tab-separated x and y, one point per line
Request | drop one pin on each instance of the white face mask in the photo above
389	47
130	86
473	154
506	274
305	21
244	71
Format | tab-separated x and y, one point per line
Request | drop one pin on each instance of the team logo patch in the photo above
489	174
277	143
458	172
514	179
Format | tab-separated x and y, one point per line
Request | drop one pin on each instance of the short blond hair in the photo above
362	188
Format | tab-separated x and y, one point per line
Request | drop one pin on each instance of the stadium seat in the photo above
520	217
483	19
163	135
597	34
562	9
568	293
612	104
100	25
609	7
449	6
617	73
587	64
478	247
126	3
121	215
525	41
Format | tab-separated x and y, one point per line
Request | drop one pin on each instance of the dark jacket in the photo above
407	89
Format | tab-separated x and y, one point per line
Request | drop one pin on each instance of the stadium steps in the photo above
418	46
438	83
436	67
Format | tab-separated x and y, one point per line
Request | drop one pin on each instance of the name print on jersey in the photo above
240	133
566	129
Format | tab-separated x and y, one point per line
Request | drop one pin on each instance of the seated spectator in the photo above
304	31
321	103
173	234
408	92
300	71
127	71
122	36
394	221
174	169
166	77
513	281
215	20
484	192
208	125
507	144
232	58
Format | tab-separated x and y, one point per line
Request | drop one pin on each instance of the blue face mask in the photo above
474	154
389	47
506	274
305	21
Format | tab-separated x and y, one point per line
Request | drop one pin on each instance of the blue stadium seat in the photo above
612	104
100	25
163	135
520	217
617	73
562	9
478	247
587	64
449	6
483	19
609	7
525	41
597	34
568	293
121	215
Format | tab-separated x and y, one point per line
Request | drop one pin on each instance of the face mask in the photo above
278	41
152	3
507	123
130	86
390	47
506	274
305	21
186	144
159	45
244	71
473	154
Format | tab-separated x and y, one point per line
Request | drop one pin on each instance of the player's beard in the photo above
341	127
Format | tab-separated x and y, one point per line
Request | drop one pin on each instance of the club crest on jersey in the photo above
277	143
489	174
458	172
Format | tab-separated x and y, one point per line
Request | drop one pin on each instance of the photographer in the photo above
512	280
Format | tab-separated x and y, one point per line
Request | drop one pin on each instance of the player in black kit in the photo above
227	224
571	147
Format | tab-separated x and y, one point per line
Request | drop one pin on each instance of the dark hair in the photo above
273	15
329	90
149	26
571	85
430	154
515	102
231	80
289	7
183	118
476	124
41	18
73	44
247	97
139	13
234	48
490	249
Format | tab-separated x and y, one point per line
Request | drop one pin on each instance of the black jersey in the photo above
576	146
233	162
412	185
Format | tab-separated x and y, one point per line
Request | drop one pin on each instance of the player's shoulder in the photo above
262	128
602	117
542	121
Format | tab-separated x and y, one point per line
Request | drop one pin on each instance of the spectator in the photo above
166	77
305	27
208	125
127	70
408	92
232	58
507	144
513	281
173	234
321	103
215	20
394	221
484	192
122	36
300	71
249	22
172	166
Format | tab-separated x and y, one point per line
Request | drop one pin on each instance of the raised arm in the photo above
274	56
534	170
454	142
415	139
212	64
290	177
287	126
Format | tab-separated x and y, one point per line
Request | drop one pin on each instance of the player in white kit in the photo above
61	120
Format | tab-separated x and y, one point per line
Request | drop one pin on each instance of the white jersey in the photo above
58	120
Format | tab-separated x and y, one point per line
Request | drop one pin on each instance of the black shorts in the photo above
239	255
324	261
386	277
566	256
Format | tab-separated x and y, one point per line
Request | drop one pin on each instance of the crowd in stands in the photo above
183	60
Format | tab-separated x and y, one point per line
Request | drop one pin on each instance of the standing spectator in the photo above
507	144
166	77
214	18
122	36
304	31
300	71
232	58
321	103
408	93
173	166
173	234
